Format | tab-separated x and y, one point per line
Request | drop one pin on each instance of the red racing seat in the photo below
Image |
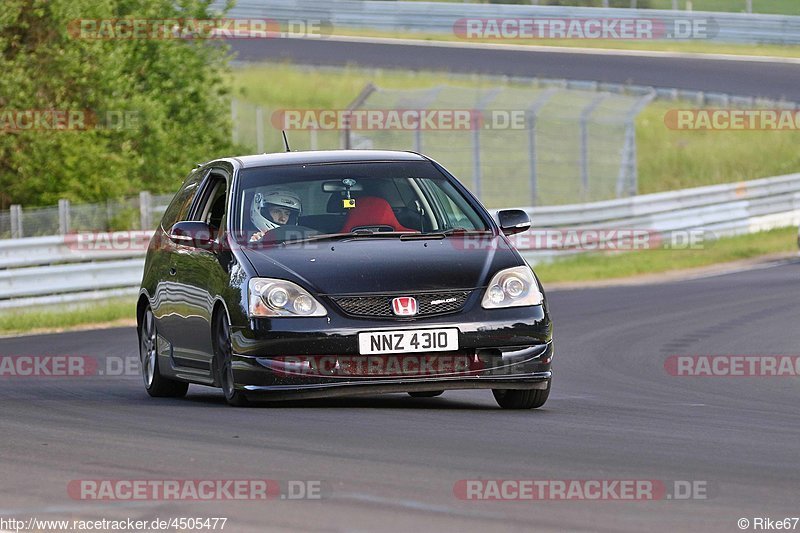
372	211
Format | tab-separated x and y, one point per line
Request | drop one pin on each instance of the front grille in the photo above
380	305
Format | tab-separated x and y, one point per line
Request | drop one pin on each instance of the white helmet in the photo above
267	197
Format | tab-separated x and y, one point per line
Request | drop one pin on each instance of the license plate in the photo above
408	341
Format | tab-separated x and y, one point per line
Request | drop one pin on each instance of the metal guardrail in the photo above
72	248
440	17
70	268
721	210
70	278
63	269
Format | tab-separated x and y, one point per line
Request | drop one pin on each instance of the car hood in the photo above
386	265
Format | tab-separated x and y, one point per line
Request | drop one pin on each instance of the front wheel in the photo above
521	399
223	353
155	384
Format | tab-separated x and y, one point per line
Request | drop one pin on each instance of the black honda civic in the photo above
331	273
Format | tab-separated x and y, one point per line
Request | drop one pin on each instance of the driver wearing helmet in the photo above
272	208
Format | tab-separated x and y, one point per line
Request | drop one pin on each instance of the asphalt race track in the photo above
745	78
391	462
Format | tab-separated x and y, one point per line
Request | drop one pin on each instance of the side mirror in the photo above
192	233
513	221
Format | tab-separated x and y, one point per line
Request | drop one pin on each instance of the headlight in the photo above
512	287
277	297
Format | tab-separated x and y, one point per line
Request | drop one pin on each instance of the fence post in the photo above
16	221
476	161
748	6
145	210
475	127
109	213
344	137
418	140
584	127
63	216
260	130
675	5
313	139
533	112
424	103
234	122
628	177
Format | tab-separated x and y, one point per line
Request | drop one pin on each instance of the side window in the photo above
216	209
455	215
178	208
452	213
211	209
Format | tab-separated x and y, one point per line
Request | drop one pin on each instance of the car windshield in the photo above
351	200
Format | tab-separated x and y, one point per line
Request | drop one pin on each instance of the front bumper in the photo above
538	380
312	358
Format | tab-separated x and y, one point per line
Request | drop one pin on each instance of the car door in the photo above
166	300
200	274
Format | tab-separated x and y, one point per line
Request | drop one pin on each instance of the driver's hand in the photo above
256	236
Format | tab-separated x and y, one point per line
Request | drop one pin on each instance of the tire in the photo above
223	362
521	399
426	394
155	384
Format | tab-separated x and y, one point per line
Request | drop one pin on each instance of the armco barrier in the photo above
44	270
728	209
440	17
69	268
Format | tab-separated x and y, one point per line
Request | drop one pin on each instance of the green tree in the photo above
172	91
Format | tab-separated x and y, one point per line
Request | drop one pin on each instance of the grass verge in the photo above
593	267
676	159
66	317
775	7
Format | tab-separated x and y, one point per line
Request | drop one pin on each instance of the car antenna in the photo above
285	141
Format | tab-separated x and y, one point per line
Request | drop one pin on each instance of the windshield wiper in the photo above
444	233
367	234
465	231
348	236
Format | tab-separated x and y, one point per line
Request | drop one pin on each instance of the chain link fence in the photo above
138	213
522	146
575	142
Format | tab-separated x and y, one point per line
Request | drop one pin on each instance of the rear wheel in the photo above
426	394
521	399
155	384
223	353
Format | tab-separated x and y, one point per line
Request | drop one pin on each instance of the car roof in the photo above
324	156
